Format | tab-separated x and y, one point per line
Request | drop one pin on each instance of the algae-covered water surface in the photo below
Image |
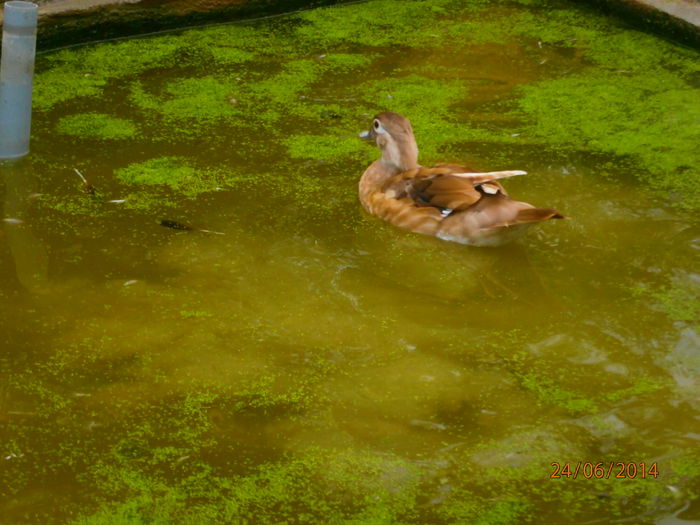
210	330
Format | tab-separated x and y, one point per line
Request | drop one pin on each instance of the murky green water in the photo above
301	362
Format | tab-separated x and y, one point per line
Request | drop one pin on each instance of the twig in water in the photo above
89	188
184	227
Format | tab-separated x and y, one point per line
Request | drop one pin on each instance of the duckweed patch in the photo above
189	107
347	61
324	148
84	72
605	112
679	299
280	93
547	391
97	125
379	23
354	491
175	172
56	86
75	205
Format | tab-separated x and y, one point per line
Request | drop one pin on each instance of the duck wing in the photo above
447	187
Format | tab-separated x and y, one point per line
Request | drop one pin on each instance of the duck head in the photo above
393	135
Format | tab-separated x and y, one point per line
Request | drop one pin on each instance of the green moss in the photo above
687	466
280	93
97	125
171	171
547	391
346	61
648	118
322	147
319	485
504	512
192	104
85	71
641	386
78	203
378	23
174	172
237	43
56	86
465	507
148	200
642	53
561	27
679	299
118	59
279	393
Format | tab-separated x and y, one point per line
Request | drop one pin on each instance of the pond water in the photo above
290	359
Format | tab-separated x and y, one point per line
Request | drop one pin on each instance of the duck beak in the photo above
365	135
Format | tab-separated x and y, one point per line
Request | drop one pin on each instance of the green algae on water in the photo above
378	23
650	119
174	172
97	125
190	103
325	148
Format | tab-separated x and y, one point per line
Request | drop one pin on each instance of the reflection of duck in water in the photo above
447	200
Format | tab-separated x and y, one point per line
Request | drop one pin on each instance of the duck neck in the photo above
398	158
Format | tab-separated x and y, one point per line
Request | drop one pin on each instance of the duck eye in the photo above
377	127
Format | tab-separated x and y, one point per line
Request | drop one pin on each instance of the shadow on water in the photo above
31	260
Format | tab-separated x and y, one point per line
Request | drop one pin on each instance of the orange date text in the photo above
607	470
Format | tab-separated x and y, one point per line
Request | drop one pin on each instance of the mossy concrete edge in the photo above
69	22
678	20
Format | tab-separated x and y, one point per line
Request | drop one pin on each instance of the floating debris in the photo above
87	187
117	201
175	225
184	227
129	283
12	220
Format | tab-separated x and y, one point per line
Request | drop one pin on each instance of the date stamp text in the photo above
607	470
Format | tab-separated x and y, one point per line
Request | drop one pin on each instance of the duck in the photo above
448	201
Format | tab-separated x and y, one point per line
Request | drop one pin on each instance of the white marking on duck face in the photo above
445	212
390	194
378	128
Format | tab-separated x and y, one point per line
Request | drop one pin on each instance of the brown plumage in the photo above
448	200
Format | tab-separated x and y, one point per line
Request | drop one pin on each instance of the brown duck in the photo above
448	200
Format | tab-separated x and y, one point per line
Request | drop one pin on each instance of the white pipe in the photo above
16	77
